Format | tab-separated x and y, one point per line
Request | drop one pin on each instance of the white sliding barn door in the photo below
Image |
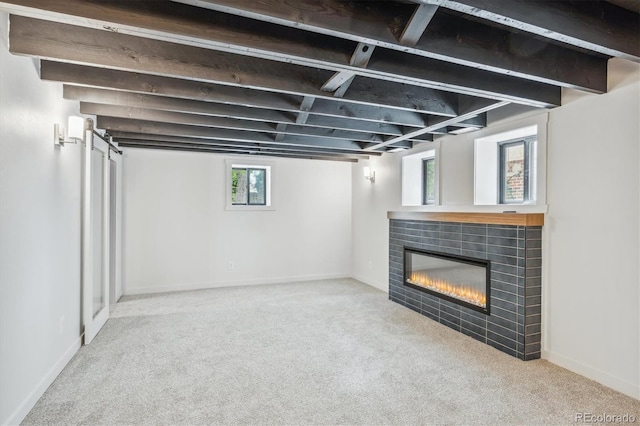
95	236
115	227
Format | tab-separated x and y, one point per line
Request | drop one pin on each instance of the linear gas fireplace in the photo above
459	279
476	273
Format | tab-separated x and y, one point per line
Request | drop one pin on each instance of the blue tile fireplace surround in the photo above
512	243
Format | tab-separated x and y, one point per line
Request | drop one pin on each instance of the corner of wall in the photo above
36	393
600	376
604	346
40	306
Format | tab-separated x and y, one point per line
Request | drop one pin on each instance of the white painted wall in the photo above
487	169
591	292
592	232
371	202
370	227
179	236
40	236
412	182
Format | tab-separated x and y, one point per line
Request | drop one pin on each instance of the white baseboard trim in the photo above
602	377
30	401
238	283
380	286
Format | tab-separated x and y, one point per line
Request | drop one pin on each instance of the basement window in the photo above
505	168
428	181
515	162
249	186
420	186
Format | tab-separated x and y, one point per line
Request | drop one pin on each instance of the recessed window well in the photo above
420	183
505	168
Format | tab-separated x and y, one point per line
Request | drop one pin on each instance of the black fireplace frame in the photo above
484	263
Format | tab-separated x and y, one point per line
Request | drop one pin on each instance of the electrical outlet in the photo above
230	265
61	324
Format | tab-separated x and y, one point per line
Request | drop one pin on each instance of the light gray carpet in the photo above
326	352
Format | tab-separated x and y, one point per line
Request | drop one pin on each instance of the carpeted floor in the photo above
326	352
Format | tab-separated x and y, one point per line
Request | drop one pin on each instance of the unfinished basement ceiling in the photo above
324	79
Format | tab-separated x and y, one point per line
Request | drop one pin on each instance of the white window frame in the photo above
529	145
269	184
412	177
487	166
425	179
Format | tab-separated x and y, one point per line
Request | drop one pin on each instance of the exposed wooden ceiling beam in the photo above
302	116
632	5
209	92
305	107
122	135
417	24
223	122
239	145
340	82
119	136
246	76
596	26
280	131
237	151
478	107
179	24
473	45
164	103
64	42
478	121
111	124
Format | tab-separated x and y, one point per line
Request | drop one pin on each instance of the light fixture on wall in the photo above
463	130
398	149
369	174
75	131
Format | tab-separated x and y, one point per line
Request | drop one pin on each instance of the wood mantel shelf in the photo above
515	219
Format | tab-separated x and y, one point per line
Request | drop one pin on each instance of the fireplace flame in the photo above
462	292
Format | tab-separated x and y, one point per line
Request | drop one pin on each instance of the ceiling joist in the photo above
164	103
597	26
164	128
203	28
223	123
478	108
236	151
129	137
322	79
211	92
64	42
248	148
379	22
417	24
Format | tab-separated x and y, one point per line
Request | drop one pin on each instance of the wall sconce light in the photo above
463	130
75	131
369	174
398	149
